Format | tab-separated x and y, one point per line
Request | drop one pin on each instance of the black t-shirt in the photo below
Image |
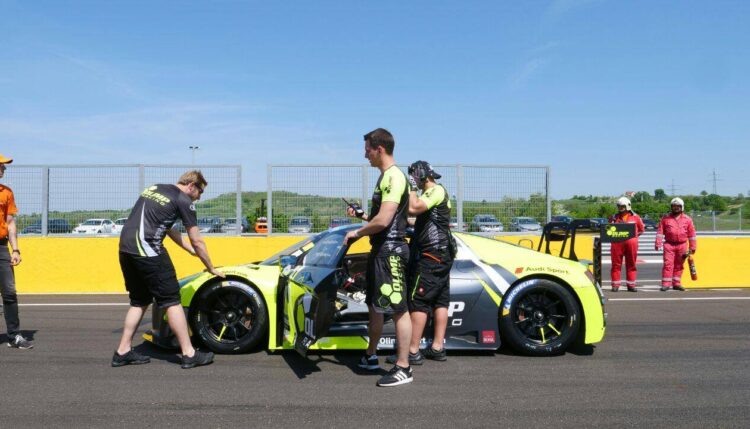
391	187
432	231
156	210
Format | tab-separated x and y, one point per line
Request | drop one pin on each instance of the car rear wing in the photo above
562	232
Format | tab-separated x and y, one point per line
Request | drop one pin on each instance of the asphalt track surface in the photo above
674	359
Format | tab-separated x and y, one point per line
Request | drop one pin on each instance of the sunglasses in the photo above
200	190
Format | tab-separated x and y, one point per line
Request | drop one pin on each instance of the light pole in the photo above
193	149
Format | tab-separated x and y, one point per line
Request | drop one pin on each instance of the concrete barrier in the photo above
91	265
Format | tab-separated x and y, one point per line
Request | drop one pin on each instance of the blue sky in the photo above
613	95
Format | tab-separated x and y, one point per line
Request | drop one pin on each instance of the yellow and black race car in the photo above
311	296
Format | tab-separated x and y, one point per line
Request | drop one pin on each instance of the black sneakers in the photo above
439	355
414	359
678	287
198	359
396	376
664	288
130	358
369	363
19	342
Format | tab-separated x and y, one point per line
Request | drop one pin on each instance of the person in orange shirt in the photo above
627	249
8	260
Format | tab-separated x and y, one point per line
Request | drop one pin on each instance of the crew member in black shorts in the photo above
386	265
431	259
148	270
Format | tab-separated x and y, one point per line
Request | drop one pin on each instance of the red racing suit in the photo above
674	234
627	249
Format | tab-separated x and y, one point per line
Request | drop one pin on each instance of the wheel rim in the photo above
541	316
228	315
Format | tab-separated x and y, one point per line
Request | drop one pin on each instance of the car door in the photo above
310	291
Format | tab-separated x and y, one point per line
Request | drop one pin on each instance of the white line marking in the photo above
718	298
75	304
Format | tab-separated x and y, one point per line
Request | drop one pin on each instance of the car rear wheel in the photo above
229	317
540	318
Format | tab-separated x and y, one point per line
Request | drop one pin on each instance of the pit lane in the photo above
668	363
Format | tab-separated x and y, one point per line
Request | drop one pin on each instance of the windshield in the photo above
92	222
526	220
487	219
322	250
326	252
120	221
299	222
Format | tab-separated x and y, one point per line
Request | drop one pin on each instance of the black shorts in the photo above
429	284
386	284
150	279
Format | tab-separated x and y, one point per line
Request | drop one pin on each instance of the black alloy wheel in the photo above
229	317
540	318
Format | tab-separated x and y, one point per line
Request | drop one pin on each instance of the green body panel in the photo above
264	277
526	263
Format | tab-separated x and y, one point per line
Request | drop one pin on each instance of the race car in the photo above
311	297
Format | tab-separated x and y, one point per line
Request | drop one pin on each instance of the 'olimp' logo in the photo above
614	233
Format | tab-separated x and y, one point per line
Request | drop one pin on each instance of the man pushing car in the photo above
148	270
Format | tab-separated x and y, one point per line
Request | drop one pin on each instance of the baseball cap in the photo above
5	160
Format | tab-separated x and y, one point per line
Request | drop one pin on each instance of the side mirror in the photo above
287	260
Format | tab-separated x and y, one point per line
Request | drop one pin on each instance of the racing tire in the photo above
539	318
229	317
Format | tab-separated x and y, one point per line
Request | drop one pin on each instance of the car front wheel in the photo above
540	318
229	317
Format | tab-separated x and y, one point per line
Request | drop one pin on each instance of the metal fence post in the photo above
45	201
238	209
549	197
365	180
713	218
269	199
141	178
740	218
460	197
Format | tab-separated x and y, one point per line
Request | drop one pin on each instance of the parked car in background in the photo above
486	223
230	226
524	224
119	223
54	226
562	218
94	226
597	222
650	224
300	225
453	224
339	221
209	224
261	225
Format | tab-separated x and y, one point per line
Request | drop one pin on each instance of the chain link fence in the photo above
96	199
486	198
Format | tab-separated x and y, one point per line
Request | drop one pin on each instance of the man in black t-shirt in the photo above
430	260
148	270
386	265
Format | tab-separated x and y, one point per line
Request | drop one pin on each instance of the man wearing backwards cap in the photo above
8	260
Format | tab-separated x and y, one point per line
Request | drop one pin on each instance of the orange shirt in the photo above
7	207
